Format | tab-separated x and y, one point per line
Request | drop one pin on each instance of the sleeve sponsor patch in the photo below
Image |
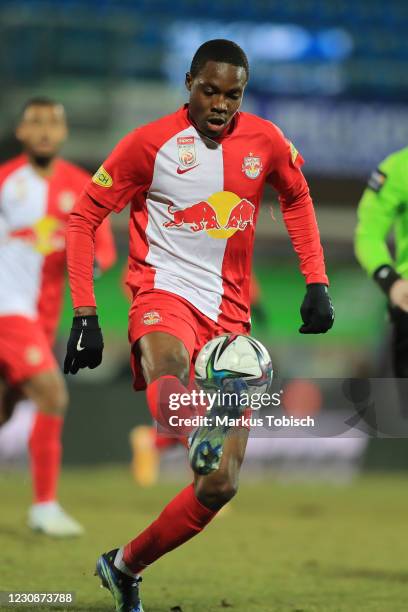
377	180
293	152
102	178
295	157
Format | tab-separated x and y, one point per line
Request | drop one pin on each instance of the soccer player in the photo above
194	180
383	208
37	192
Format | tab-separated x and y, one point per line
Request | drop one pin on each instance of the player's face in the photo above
42	130
215	96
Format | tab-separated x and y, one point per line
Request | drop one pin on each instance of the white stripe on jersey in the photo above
23	201
187	263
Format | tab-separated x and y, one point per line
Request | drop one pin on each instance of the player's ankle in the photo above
121	565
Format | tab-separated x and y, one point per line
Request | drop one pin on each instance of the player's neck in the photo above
227	131
43	169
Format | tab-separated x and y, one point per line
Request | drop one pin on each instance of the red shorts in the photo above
159	310
24	349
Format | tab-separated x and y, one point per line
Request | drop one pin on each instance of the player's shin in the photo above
45	449
183	518
45	455
174	407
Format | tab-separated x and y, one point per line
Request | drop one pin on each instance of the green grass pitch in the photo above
281	548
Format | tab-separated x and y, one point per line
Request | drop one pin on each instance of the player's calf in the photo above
218	488
207	441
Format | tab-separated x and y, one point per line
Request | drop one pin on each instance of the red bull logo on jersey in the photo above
220	216
46	236
186	151
151	318
252	166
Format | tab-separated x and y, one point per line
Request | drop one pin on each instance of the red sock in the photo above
183	518
45	455
158	395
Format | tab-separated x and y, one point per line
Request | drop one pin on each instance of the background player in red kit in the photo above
195	181
37	192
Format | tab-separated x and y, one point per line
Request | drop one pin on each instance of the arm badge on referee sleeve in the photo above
377	180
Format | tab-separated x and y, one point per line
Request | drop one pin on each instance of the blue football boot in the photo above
206	443
124	588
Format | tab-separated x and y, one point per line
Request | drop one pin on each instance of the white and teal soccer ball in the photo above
234	356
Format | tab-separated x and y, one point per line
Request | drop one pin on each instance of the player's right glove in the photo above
317	310
85	344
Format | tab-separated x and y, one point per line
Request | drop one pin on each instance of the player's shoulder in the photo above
11	166
264	126
396	161
267	135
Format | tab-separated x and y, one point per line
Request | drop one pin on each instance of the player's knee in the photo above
172	365
52	396
215	492
225	492
61	399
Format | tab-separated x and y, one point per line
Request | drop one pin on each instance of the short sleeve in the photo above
127	170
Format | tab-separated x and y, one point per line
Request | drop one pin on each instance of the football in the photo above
234	356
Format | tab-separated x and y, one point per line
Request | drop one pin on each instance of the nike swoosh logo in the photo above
79	347
184	170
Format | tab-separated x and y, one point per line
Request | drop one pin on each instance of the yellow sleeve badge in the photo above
102	178
293	152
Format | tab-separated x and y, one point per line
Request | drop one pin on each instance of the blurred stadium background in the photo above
333	76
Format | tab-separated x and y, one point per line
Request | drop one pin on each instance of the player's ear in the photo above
188	81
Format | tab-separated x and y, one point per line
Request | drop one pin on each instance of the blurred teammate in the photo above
383	208
195	180
37	192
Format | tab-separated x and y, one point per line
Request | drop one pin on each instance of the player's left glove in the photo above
85	344
317	310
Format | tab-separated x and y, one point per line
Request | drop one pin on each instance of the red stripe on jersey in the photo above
237	262
139	273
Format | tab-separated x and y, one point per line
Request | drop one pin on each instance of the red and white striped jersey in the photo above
33	216
194	206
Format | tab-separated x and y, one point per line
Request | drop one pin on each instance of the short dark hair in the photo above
219	50
39	101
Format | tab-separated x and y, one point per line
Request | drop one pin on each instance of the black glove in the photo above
317	310
85	344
